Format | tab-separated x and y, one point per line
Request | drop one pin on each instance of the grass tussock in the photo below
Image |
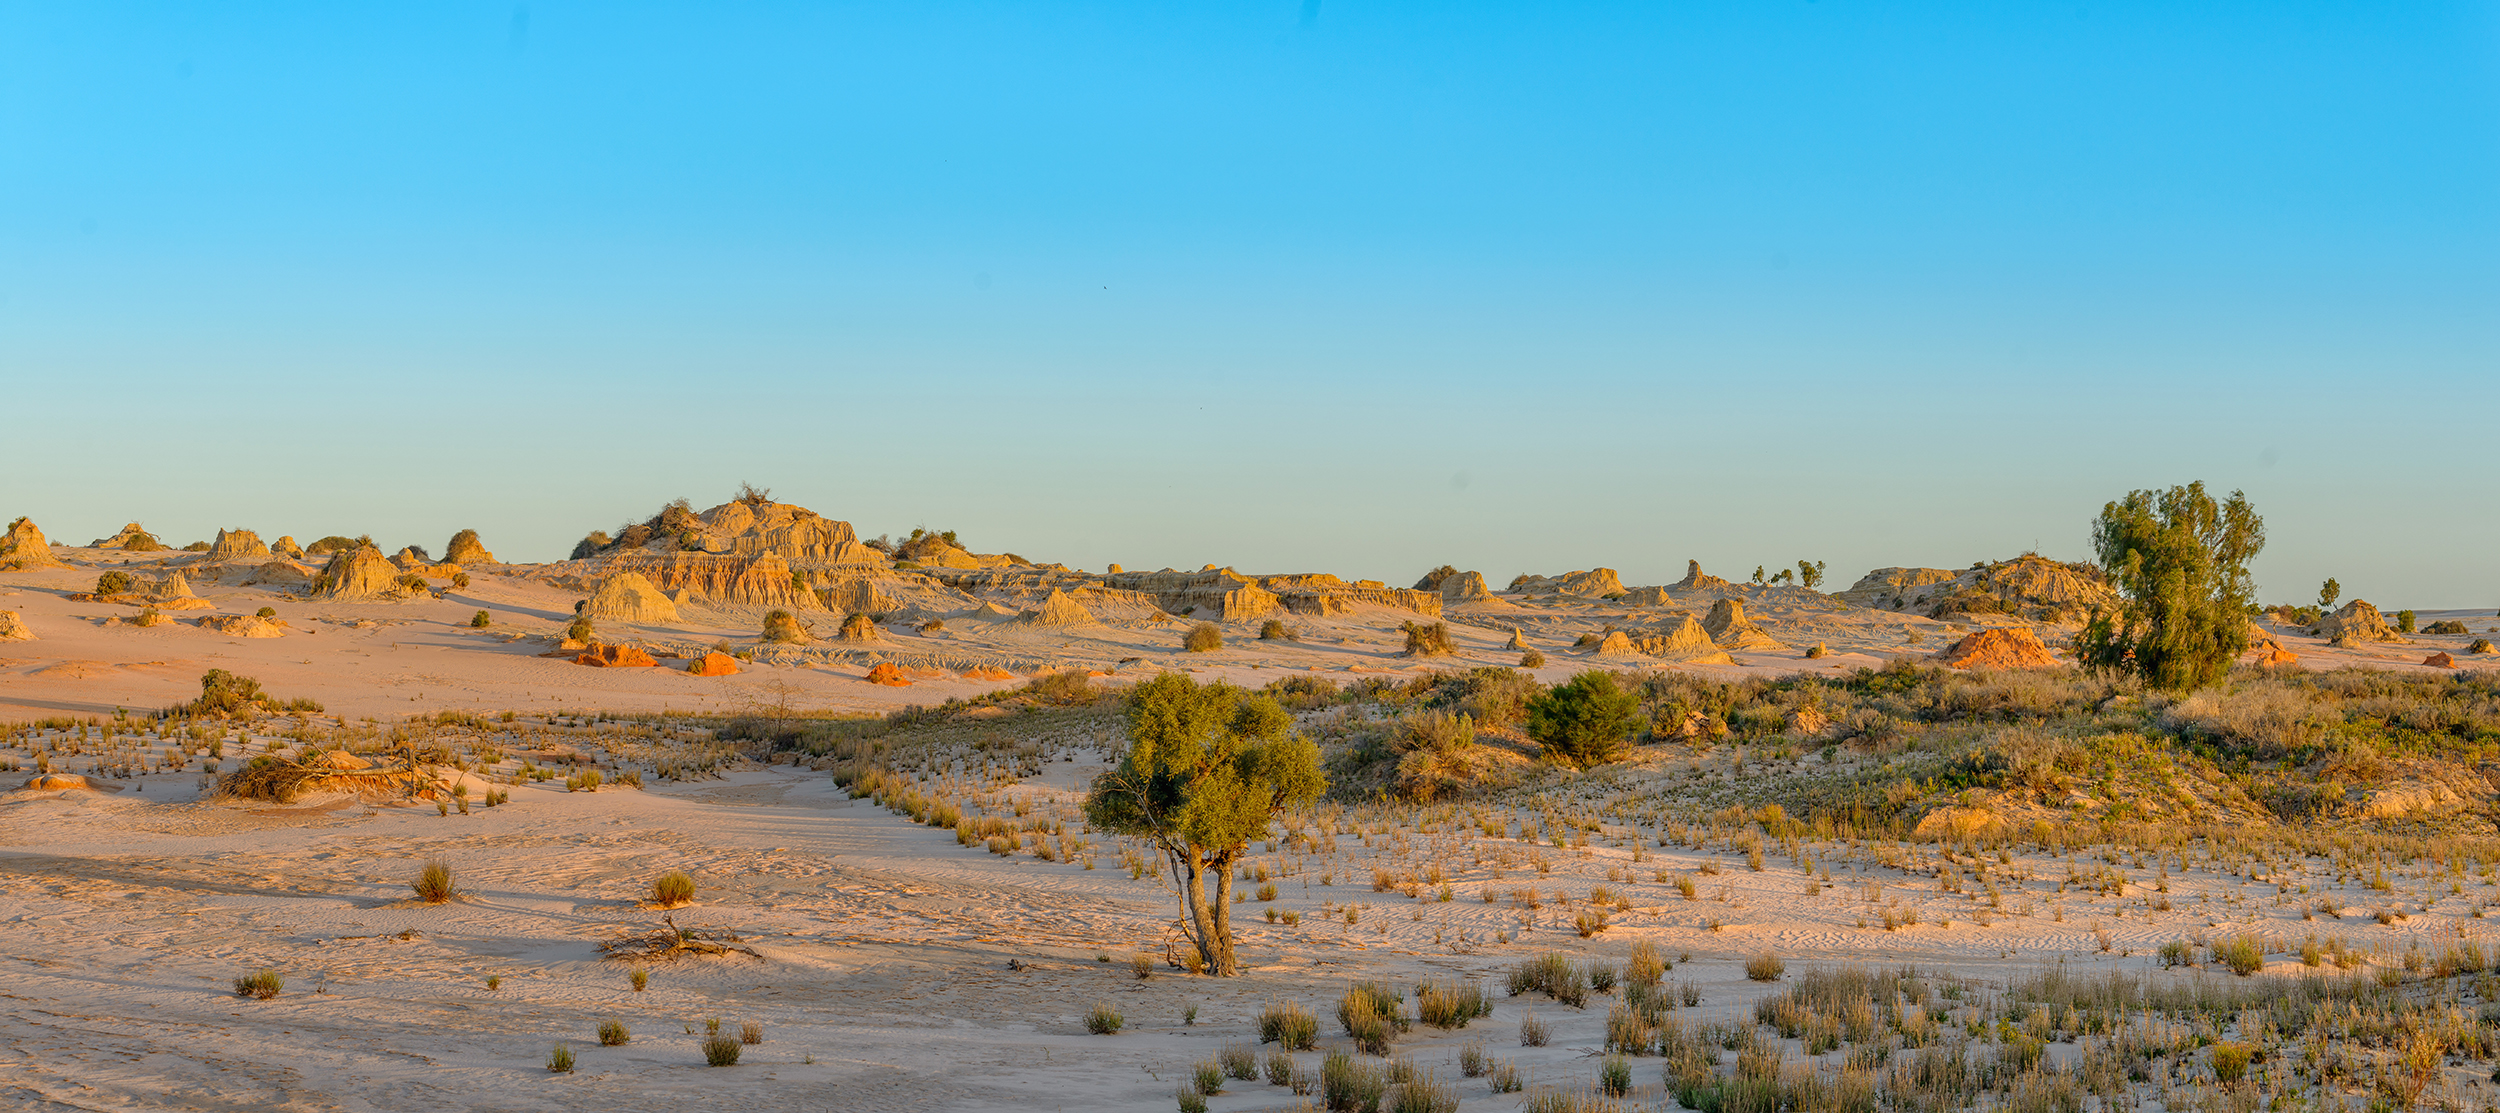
434	883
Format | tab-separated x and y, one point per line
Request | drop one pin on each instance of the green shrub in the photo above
481	620
1428	640
581	630
1346	1083
1451	1006
640	978
721	1049
2231	1061
112	583
1203	638
2450	626
2180	560
267	612
1584	721
673	888
460	580
2243	954
560	1060
1275	630
2405	621
1289	1026
613	1033
1532	660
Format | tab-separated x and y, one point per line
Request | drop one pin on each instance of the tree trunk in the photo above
1194	894
1220	942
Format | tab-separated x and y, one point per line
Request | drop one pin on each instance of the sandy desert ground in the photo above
895	967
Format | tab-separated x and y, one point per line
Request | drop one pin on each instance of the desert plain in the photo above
1882	846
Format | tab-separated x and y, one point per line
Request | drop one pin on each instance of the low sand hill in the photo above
1463	587
13	628
2010	647
1059	611
2029	588
628	597
465	548
24	549
132	538
236	544
2354	623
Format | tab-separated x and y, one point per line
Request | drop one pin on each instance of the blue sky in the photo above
1339	286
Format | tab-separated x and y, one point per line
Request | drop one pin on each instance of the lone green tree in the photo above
2328	593
2180	561
1583	721
1810	573
1207	768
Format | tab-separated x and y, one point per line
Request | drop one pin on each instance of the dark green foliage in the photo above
1810	573
2328	593
335	544
2405	621
1274	630
1207	768
222	691
112	583
267	612
2180	561
481	620
1583	721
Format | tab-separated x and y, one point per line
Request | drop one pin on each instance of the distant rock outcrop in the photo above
1728	626
1594	582
25	550
13	628
2030	587
358	573
130	539
1648	597
859	595
2355	623
1059	611
286	547
1683	639
2013	647
1463	587
1894	589
858	628
280	571
1697	580
630	597
1615	643
237	544
1220	594
465	548
723	580
243	626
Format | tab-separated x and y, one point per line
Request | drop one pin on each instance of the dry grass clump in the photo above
751	1032
1553	974
1346	1083
1104	1020
433	883
260	985
1533	1032
1765	967
1447	1006
1203	638
1287	1025
560	1060
613	1033
1372	1014
1275	630
674	889
720	1049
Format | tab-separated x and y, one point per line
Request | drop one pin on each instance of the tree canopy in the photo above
1583	721
1206	770
2180	560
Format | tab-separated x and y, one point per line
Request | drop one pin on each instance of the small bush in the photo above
2405	621
260	985
1240	1061
1371	1015
1275	630
613	1033
481	620
581	630
1532	660
640	977
1279	1067
1533	1033
1203	638
1472	1060
2177	953
2450	626
1141	966
721	1049
266	612
1346	1084
1190	1100
1451	1006
1104	1020
1614	1076
1424	1095
2242	954
1583	721
433	883
460	580
751	1032
2231	1061
783	627
112	583
672	889
560	1060
1765	967
1428	640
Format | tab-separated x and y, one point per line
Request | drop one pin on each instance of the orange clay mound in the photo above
2278	656
713	664
2440	660
617	657
987	672
2009	648
888	675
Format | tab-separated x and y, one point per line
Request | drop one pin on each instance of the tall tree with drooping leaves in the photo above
1208	768
2180	561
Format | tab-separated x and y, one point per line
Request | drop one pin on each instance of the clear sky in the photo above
1305	285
